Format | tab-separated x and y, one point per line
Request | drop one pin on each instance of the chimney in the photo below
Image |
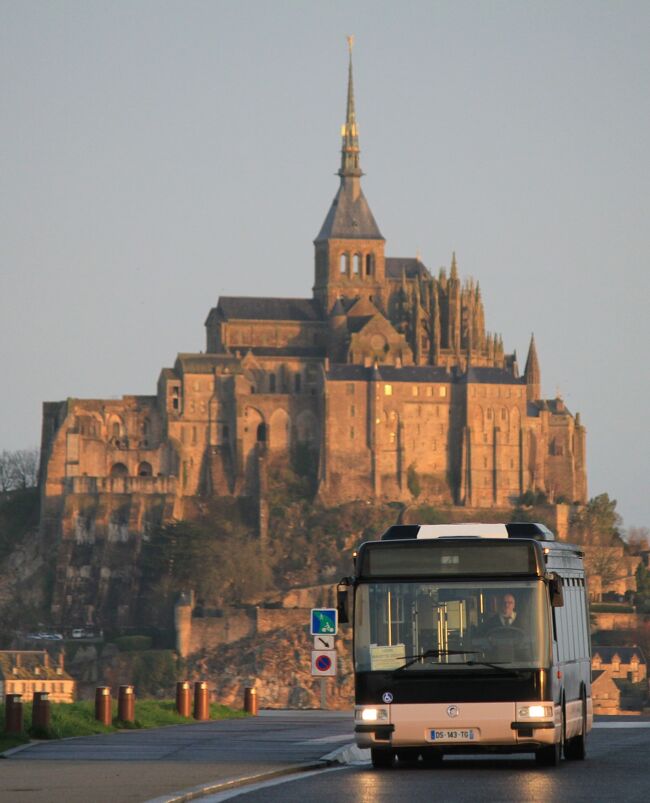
46	660
61	662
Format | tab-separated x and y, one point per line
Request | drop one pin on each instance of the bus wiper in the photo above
512	672
433	654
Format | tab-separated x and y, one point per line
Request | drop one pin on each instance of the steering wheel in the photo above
506	635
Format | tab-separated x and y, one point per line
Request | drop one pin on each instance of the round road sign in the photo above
323	663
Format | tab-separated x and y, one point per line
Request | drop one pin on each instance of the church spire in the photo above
532	374
349	132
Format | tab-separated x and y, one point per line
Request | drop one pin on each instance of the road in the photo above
146	765
132	766
616	770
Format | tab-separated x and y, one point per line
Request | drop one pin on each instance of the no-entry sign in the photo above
323	663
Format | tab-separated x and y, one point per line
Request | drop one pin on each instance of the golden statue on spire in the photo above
350	43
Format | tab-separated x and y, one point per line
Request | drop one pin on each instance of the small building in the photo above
26	671
623	663
605	694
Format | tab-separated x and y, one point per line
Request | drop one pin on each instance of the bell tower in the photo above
349	249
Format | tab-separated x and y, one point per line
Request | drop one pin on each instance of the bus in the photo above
469	638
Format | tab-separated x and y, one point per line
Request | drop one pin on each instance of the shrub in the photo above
133	643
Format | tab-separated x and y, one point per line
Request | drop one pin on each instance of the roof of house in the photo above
29	665
624	653
349	217
269	309
388	373
490	376
409	266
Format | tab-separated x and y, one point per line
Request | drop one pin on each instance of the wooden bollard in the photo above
126	704
183	698
201	705
13	713
41	712
103	705
250	700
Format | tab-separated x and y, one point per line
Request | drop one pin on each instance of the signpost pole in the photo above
323	694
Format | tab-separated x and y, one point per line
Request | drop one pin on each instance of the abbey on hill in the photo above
385	375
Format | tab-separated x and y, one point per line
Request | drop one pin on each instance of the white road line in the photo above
622	724
326	739
244	790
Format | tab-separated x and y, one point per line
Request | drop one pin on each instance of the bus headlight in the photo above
371	714
535	712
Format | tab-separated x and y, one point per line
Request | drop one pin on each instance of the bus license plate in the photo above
454	735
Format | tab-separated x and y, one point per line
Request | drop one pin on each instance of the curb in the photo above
232	783
347	754
12	750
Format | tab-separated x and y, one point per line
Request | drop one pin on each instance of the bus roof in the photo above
518	529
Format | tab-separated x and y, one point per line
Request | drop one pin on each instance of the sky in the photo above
156	155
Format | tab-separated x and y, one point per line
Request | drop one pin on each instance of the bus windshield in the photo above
423	626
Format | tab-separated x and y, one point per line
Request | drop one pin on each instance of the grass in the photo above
78	719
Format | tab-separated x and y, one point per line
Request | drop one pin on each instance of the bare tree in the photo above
18	469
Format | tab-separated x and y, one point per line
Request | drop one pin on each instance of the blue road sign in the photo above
323	621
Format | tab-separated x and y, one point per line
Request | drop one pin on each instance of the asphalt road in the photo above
144	765
134	766
617	769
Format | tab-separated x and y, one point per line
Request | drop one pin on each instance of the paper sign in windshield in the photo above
382	657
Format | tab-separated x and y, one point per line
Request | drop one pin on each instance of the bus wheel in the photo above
576	748
551	755
381	759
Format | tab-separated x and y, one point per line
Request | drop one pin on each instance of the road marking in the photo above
325	739
621	724
244	790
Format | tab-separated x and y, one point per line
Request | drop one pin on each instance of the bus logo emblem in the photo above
387	697
453	711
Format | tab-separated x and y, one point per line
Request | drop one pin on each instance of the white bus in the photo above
469	638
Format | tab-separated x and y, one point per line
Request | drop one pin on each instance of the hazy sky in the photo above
155	155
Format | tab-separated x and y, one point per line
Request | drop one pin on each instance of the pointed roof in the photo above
531	371
349	216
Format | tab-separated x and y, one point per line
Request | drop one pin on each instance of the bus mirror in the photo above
555	590
342	600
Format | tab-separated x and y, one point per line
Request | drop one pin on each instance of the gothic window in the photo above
388	390
194	436
370	264
356	261
261	433
352	411
415	390
391	437
490	414
345	264
272	383
297	383
429	390
115	431
349	388
119	470
144	469
351	433
443	392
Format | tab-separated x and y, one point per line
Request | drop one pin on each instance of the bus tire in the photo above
551	755
576	747
381	758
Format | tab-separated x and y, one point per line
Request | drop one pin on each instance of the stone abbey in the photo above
386	377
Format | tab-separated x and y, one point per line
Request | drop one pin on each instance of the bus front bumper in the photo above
462	727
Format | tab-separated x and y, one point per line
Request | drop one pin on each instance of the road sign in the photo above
323	642
323	663
323	621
